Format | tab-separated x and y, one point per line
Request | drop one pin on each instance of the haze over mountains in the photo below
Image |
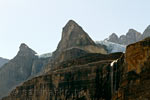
79	68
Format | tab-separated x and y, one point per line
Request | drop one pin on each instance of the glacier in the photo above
112	47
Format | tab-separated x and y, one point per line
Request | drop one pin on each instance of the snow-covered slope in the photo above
46	55
112	47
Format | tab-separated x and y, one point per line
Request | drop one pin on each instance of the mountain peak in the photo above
113	38
23	46
71	22
74	36
114	35
24	49
132	30
70	27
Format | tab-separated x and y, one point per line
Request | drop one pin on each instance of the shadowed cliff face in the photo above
83	78
23	66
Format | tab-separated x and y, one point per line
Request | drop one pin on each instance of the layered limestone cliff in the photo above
135	80
84	78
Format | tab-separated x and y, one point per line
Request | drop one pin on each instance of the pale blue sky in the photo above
38	23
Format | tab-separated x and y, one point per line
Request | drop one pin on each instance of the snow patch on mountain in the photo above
112	47
46	55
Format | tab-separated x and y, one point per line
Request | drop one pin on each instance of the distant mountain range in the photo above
131	36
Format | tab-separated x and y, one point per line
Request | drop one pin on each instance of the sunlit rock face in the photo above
75	42
74	36
136	74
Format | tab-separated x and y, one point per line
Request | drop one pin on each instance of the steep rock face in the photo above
135	79
132	36
80	79
146	33
113	38
122	40
3	61
24	65
140	54
75	42
74	36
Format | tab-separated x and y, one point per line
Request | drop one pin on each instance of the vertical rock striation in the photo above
135	80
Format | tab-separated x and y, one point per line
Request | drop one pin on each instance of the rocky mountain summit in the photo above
75	42
22	67
73	36
131	36
3	61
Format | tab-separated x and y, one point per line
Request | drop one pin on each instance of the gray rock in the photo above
23	66
131	36
3	61
146	33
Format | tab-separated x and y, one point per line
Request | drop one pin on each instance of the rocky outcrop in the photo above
74	36
3	61
23	66
75	42
83	78
135	81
